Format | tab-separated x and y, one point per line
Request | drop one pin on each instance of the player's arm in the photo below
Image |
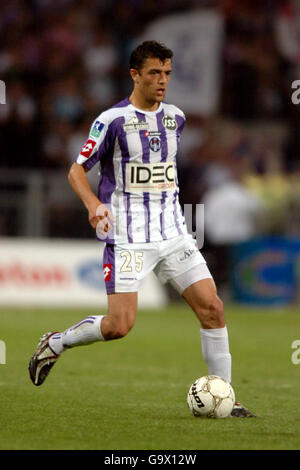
96	210
88	156
80	185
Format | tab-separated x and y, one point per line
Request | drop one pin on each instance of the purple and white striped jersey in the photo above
137	151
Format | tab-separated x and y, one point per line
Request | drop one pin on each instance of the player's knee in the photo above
123	328
118	327
212	314
119	332
116	331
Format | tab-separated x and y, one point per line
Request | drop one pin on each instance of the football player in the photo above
137	212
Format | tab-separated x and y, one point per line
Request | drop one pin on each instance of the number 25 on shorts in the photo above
132	261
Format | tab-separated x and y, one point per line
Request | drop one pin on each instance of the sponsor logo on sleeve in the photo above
97	128
88	147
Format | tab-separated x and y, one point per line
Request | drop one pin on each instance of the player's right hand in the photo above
101	219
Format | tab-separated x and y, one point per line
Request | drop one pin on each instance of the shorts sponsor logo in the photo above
188	253
88	147
169	123
155	144
128	279
149	177
97	128
107	272
134	124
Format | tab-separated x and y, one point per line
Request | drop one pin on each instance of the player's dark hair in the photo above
146	50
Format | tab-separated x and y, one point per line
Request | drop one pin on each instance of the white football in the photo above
211	396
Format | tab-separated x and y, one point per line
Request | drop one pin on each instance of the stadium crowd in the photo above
65	61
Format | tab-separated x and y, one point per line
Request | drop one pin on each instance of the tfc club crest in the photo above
107	272
155	144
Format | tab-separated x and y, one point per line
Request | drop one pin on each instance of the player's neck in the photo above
139	102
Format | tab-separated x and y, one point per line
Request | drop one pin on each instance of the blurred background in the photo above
65	61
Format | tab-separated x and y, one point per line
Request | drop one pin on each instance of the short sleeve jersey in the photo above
136	152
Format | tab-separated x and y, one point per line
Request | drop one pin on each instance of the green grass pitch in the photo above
130	394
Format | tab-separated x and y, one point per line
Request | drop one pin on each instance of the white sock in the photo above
215	350
85	332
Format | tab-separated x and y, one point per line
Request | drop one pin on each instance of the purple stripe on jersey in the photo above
144	139
163	136
107	182
121	135
180	123
122	104
88	165
164	157
128	212
109	258
146	159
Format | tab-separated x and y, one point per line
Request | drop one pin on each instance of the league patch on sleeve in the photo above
97	128
87	149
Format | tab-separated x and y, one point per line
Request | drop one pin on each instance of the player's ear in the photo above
134	75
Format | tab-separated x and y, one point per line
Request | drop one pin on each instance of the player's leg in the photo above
198	289
117	323
124	268
121	315
185	268
202	297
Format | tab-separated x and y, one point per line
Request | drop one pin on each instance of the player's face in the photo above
152	80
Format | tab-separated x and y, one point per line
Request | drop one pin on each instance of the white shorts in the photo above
126	265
